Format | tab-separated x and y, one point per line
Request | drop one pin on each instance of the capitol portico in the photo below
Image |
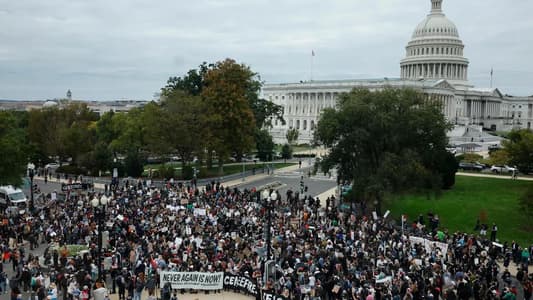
433	63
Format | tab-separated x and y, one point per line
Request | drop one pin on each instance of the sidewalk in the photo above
495	176
98	186
326	194
201	295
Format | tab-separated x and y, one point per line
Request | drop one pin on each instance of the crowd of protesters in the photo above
320	251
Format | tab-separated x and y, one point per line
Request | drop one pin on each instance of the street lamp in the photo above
99	206
269	205
114	180
31	173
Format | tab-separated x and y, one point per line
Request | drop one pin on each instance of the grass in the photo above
470	198
295	148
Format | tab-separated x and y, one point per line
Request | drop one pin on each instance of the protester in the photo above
331	252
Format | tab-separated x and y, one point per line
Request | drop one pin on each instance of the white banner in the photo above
193	280
430	245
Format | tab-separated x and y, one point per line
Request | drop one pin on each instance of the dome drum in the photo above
435	50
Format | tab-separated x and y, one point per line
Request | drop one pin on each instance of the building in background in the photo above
434	64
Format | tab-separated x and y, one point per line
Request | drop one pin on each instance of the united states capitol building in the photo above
434	64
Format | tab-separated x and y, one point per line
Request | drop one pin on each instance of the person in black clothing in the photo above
121	284
493	232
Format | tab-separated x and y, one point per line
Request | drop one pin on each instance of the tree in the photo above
286	151
174	125
230	124
66	132
193	83
519	147
265	145
196	82
13	149
499	157
292	136
386	141
265	111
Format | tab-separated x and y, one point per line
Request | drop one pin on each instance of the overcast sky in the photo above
127	49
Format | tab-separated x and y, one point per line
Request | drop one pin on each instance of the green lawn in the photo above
295	148
459	208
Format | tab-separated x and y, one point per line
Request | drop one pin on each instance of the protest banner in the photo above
240	283
272	296
193	280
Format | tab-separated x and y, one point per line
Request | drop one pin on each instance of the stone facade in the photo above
434	64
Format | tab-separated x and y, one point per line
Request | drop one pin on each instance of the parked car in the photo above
502	169
51	166
468	166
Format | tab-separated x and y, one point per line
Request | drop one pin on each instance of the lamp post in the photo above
114	180
269	205
243	170
99	206
31	173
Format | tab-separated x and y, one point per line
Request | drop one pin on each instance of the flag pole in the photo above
312	62
491	73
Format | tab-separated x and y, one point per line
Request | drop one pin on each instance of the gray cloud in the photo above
128	48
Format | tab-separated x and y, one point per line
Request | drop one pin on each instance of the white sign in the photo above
430	245
193	280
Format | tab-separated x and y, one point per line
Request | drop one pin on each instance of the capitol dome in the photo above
49	103
435	50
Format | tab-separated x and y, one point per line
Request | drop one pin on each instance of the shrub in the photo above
302	155
187	173
167	172
71	169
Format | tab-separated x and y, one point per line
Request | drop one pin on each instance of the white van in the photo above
11	198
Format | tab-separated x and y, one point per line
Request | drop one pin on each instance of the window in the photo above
296	109
312	125
298	124
305	125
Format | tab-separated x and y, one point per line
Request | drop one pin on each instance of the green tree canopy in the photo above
231	123
265	145
192	83
13	149
292	135
64	132
519	147
175	125
387	141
